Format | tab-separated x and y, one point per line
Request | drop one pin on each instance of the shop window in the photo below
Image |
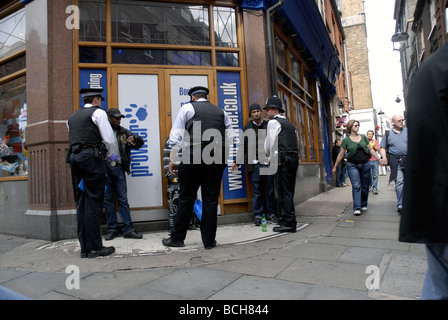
225	27
12	35
161	57
12	66
92	55
13	120
297	85
280	53
92	20
302	131
227	59
311	132
166	23
295	69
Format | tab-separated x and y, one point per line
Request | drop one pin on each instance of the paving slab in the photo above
365	256
193	283
327	273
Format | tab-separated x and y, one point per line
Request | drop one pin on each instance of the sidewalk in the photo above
326	259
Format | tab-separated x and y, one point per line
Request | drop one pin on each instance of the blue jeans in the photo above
435	286
116	184
399	186
360	177
374	174
263	193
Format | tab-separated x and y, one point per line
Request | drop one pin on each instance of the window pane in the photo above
12	66
280	53
92	20
313	153
297	90
163	57
92	55
227	59
12	33
282	78
295	69
307	82
302	132
161	23
225	27
13	121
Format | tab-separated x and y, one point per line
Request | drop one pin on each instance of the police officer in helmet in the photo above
91	138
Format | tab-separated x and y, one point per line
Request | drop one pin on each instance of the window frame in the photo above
306	100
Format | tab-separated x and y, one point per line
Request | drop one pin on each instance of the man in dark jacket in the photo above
255	158
116	178
425	211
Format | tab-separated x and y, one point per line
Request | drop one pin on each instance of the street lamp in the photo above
399	39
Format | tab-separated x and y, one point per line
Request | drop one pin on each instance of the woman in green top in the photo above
359	152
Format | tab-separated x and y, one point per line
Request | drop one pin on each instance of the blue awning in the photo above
304	17
256	4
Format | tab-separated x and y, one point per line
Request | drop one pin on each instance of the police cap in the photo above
89	92
198	89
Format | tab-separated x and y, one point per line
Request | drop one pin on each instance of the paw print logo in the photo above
135	113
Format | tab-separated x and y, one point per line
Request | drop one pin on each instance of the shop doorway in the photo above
150	99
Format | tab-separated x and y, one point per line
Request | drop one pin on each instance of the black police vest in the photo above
82	130
287	138
207	116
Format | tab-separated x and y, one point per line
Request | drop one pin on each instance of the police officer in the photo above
282	149
200	129
91	139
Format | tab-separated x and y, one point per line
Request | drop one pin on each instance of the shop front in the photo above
145	56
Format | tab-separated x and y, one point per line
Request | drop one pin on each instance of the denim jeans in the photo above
263	193
374	174
116	184
360	177
399	186
435	286
339	173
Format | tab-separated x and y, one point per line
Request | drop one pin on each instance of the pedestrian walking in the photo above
200	130
374	163
359	152
91	140
393	151
252	151
424	217
282	149
117	169
339	170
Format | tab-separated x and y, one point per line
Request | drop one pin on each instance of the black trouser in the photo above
191	177
285	179
89	203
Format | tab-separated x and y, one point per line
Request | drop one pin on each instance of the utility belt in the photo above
100	150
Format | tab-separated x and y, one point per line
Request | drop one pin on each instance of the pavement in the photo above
333	256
